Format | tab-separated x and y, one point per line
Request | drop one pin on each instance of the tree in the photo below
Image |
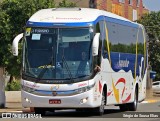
13	17
65	3
151	23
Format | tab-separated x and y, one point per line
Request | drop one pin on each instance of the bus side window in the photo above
103	38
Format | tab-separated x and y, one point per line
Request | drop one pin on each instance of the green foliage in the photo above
13	86
65	3
13	16
151	23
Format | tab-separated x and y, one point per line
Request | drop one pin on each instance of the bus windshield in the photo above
57	53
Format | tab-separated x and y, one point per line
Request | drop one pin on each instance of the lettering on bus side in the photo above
40	31
82	84
123	63
31	85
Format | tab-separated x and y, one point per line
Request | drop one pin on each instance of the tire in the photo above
51	110
40	111
123	107
100	110
80	110
133	106
130	106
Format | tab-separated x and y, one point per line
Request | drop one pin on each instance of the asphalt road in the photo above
110	112
145	112
151	112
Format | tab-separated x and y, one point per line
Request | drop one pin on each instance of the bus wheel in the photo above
100	110
40	111
123	107
80	110
133	106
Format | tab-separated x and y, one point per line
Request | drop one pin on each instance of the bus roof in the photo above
73	15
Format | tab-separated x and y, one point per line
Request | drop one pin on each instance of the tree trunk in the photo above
10	81
2	88
149	80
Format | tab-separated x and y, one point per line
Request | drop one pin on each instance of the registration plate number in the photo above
54	101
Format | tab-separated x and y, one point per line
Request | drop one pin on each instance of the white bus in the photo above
83	59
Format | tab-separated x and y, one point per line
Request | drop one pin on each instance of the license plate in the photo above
54	101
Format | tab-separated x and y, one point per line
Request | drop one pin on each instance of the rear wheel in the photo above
41	111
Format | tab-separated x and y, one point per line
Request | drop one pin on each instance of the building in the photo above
130	9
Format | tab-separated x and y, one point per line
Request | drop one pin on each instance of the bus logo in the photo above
54	93
54	87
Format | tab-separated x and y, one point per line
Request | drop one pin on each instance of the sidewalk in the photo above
17	107
12	107
150	98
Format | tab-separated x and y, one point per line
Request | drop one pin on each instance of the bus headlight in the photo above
85	89
84	100
28	89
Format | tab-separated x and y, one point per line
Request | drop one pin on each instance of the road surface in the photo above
111	113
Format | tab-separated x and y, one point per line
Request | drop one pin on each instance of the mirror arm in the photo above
15	44
95	44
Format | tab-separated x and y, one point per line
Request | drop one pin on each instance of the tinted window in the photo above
157	83
140	42
122	38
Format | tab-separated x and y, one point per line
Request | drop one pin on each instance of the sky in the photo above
152	5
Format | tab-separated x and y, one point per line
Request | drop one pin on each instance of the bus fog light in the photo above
84	100
27	100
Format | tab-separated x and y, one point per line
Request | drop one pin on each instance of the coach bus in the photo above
83	59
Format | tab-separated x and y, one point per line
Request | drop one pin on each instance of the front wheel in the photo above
123	107
100	110
133	106
40	111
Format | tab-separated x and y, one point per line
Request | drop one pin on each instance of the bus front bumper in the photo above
83	100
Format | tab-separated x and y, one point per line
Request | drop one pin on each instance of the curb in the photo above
150	101
26	110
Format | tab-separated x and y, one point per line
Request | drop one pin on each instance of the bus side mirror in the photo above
15	44
95	44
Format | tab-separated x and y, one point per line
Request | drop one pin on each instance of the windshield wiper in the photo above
68	70
29	74
41	74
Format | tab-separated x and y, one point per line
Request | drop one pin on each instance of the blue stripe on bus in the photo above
47	24
116	20
81	24
126	62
